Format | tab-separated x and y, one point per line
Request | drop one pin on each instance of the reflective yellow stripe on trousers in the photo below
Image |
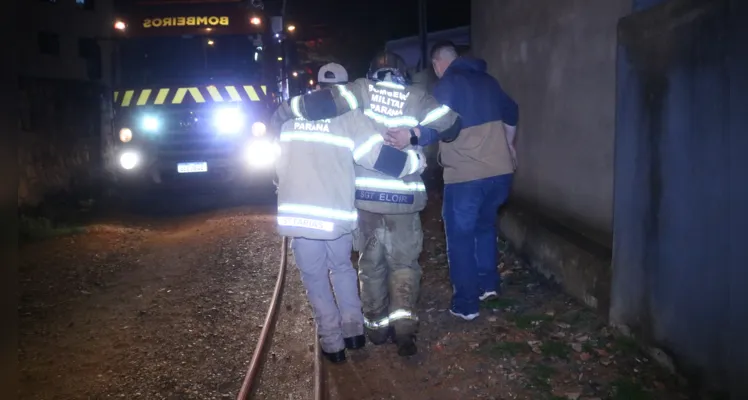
386	321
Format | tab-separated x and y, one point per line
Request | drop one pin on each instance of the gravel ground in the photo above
171	308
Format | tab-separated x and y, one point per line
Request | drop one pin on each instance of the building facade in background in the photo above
68	39
65	76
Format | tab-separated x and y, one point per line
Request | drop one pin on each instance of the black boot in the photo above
379	336
335	358
406	345
355	342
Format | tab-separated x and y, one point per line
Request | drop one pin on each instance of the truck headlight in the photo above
258	129
128	160
229	120
125	135
261	153
151	123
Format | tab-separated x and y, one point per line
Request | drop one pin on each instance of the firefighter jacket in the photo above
389	104
383	194
316	176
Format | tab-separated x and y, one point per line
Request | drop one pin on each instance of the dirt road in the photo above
170	308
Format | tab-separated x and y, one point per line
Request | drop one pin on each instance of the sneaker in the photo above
488	295
466	317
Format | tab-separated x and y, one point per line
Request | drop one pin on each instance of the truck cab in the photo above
194	95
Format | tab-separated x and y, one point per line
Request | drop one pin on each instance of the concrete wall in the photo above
59	148
558	60
681	204
673	116
65	111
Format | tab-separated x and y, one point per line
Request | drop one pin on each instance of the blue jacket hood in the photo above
469	63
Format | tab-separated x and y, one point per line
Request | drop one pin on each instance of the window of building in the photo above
49	43
90	50
85	4
86	47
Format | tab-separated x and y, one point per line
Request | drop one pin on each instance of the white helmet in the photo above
332	73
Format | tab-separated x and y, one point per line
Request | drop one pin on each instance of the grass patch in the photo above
580	319
554	348
30	229
509	349
528	321
498	303
587	347
539	376
624	389
626	345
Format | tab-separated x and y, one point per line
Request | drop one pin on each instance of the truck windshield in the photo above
194	60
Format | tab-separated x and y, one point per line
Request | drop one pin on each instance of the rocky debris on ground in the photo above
173	310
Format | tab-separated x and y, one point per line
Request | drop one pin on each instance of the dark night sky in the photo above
390	18
371	23
361	26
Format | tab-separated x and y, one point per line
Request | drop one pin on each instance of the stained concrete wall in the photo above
673	117
64	104
59	146
681	204
558	60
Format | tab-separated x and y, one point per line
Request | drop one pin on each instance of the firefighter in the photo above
391	236
384	96
316	194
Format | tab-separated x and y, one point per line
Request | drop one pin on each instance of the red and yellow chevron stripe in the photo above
193	94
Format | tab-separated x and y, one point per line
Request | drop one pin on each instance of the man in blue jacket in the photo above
478	168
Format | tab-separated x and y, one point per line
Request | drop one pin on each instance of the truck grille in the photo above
189	135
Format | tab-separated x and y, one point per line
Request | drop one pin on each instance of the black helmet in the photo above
384	62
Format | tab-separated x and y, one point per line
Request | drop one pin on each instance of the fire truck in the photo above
195	84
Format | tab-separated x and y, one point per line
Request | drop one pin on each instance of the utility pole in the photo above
284	64
423	32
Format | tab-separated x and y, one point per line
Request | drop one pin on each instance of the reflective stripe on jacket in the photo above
310	204
382	194
316	178
388	103
394	105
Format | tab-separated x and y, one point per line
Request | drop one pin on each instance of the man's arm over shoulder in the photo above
441	120
377	156
372	153
321	104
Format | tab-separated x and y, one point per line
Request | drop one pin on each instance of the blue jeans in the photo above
469	211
